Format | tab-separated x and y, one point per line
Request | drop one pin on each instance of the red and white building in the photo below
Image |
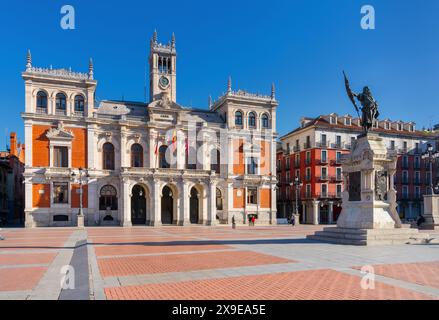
312	151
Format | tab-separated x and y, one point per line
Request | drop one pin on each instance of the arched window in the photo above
264	120
108	198
108	156
252	120
136	156
219	199
215	160
238	118
79	103
60	102
163	163
41	102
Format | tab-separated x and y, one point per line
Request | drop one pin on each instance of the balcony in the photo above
336	162
322	161
337	145
296	148
41	110
327	195
322	144
402	150
307	145
323	178
348	146
337	178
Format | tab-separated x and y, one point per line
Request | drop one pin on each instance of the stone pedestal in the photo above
369	215
431	212
80	221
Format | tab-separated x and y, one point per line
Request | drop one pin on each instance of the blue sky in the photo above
301	46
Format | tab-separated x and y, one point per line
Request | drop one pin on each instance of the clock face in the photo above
164	82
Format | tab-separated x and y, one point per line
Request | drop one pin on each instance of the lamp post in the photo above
430	157
297	184
83	173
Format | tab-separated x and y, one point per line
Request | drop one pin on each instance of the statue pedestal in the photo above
369	215
431	212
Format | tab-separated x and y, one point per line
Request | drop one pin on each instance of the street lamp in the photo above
430	157
297	184
83	178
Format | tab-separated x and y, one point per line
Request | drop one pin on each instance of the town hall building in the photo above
149	163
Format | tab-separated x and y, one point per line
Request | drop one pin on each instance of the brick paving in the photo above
199	262
305	285
183	262
422	273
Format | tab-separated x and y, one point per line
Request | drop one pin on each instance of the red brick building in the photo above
312	152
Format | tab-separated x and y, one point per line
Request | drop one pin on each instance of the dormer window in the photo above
347	121
332	120
399	127
387	125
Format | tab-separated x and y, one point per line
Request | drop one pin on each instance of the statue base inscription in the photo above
369	215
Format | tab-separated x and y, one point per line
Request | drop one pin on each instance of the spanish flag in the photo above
174	140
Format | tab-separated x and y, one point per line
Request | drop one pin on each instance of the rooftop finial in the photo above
229	85
273	91
90	69
154	38
210	101
29	60
173	40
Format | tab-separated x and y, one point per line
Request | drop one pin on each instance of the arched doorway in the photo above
167	205
138	205
194	206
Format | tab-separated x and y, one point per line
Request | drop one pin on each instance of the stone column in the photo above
29	220
273	209
152	145
156	204
184	205
315	212
126	198
28	142
211	210
93	196
91	146
330	212
123	148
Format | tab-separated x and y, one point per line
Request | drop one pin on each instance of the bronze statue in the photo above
369	107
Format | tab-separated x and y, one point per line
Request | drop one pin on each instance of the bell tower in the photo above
162	69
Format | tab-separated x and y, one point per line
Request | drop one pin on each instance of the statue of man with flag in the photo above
369	107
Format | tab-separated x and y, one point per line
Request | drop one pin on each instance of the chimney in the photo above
13	144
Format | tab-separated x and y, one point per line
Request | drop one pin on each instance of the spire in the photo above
229	85
173	40
90	69
154	38
273	92
28	59
210	101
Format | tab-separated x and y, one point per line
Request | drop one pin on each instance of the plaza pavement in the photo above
200	262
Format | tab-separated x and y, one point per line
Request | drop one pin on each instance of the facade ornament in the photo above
59	132
273	92
229	85
173	40
90	69
154	38
28	60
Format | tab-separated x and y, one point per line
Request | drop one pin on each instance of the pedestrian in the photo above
420	220
233	222
1	237
293	220
253	220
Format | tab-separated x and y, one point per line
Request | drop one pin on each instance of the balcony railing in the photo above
336	162
322	144
337	178
41	110
323	161
60	112
307	145
323	178
296	148
337	145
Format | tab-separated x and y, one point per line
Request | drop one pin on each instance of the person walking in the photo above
253	220
233	222
1	237
293	220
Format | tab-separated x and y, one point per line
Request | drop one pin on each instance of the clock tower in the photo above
162	70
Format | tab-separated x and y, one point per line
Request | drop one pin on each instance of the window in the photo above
405	177
219	200
417	163
338	141
238	118
352	141
108	198
323	140
108	156
252	120
417	192
338	190
252	166
287	177
298	174
264	121
41	101
279	165
297	161
79	104
324	156
405	192
308	174
347	121
287	163
60	157
163	163
215	160
338	156
136	155
392	145
417	177
338	174
252	195
308	142
324	189
60	192
60	102
324	173
308	190
308	158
